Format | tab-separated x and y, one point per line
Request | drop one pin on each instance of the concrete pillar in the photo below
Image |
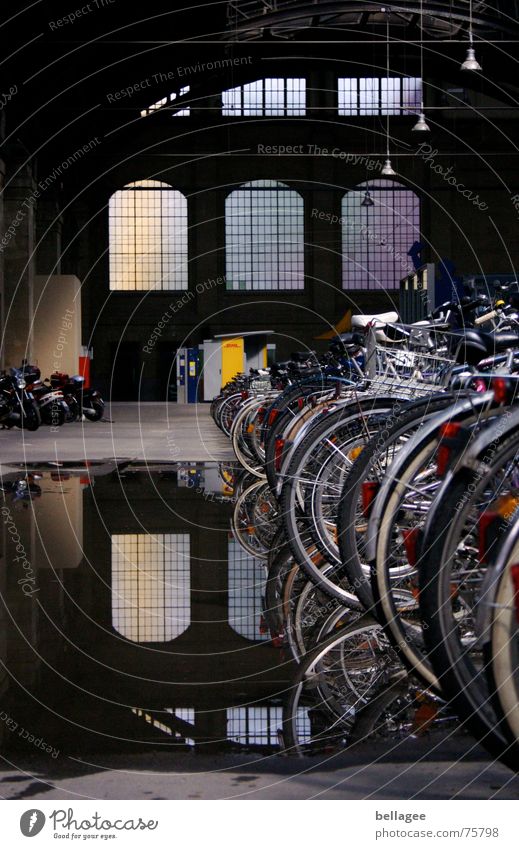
2	280
324	257
56	329
17	246
321	88
48	237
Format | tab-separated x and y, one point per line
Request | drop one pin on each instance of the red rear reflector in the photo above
500	390
244	395
514	570
447	431
300	403
278	453
485	522
450	429
369	493
261	414
411	540
442	460
272	417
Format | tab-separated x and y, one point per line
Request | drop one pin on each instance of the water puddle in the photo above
132	614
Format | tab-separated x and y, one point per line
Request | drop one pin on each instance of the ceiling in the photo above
65	73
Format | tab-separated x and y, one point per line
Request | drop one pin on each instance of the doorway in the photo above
126	369
167	371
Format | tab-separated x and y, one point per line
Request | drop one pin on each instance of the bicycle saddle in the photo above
500	341
361	321
474	345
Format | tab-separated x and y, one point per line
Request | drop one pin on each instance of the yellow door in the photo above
232	358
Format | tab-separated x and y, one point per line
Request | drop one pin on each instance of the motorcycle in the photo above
81	401
17	403
53	408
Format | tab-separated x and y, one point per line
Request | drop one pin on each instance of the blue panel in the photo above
192	374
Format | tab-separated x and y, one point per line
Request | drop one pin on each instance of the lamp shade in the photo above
471	63
387	170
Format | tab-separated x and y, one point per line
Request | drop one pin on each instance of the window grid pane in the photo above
348	96
274	96
376	239
411	95
379	95
246	588
151	586
368	96
264	233
148	237
254	726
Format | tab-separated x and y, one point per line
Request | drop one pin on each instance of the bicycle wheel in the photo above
309	614
227	411
314	480
283	416
502	603
370	467
452	573
332	685
255	519
400	510
240	438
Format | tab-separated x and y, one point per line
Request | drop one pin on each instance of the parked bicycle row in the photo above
27	401
382	490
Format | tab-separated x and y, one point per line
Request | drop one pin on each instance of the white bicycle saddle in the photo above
360	322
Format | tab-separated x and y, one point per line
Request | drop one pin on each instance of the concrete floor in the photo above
144	431
408	771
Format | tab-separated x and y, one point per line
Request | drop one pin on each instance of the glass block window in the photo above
164	101
264	237
151	586
379	95
247	581
254	726
269	97
148	237
376	239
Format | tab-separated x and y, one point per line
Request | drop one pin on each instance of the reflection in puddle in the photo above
132	617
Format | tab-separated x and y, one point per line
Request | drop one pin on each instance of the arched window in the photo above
377	236
148	237
264	237
151	586
246	589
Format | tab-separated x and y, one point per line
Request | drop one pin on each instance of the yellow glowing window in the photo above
148	238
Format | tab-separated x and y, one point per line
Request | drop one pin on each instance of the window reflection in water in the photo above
151	586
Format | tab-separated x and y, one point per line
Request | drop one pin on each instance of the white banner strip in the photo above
256	824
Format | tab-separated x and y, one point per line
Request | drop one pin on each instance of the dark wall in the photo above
206	156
